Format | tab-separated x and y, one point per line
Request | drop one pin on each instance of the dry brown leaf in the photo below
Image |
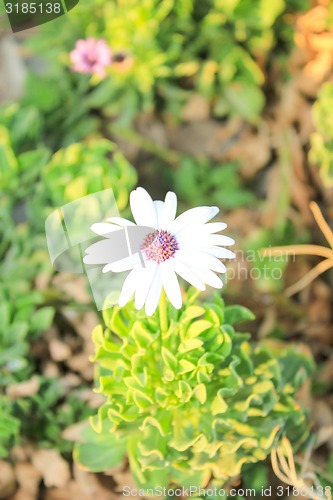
268	323
273	188
319	67
327	372
74	287
307	85
59	351
80	363
19	454
83	323
97	485
287	109
7	479
51	369
206	138
320	303
301	195
325	435
73	432
42	280
28	478
54	469
316	38
323	416
253	151
305	123
69	381
313	20
150	127
321	42
122	476
23	389
196	109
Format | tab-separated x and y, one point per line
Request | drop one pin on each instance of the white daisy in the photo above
185	245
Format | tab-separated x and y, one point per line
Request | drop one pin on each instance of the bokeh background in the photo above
225	102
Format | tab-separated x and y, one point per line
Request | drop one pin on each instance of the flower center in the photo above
159	246
90	58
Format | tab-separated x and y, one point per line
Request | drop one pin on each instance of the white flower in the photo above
185	245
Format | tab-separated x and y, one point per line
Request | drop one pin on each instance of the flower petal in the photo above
214	227
200	259
159	207
220	253
154	293
103	228
99	252
143	209
198	215
170	209
146	280
120	221
210	278
130	284
220	240
170	284
200	229
188	274
124	264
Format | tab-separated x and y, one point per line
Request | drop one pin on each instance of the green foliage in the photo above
44	415
33	182
194	402
37	182
9	427
212	184
20	322
55	111
82	169
322	139
218	48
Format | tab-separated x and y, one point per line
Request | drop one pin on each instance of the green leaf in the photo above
186	366
218	405
197	328
100	451
200	392
234	314
189	345
42	318
246	99
169	359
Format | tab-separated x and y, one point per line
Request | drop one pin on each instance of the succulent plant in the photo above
194	403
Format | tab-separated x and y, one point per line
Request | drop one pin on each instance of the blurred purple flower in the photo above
91	56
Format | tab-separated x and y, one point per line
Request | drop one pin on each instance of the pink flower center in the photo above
90	58
159	246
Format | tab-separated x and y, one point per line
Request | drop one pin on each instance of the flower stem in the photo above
163	313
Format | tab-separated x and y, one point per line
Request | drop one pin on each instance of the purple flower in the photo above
91	56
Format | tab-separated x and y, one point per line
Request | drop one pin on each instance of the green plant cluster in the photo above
20	323
194	402
42	181
9	427
220	48
220	185
33	182
55	110
321	151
